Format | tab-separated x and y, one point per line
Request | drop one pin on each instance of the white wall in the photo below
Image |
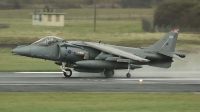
36	20
44	20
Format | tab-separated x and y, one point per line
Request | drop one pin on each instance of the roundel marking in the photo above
69	51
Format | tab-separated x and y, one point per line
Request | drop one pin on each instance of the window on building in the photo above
57	18
49	17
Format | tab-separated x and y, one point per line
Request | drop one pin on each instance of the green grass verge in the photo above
98	102
119	32
22	31
14	63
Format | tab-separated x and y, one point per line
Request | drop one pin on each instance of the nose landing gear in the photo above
66	72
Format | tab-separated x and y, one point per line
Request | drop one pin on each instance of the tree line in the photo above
178	13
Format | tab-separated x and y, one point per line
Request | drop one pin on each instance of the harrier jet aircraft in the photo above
99	57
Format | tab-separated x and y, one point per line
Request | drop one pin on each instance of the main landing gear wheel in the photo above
109	72
68	73
128	75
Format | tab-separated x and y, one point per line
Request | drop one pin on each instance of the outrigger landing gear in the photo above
128	75
66	72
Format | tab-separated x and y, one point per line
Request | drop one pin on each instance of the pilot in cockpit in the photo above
48	40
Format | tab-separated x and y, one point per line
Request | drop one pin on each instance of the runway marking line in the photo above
7	84
150	72
180	79
39	72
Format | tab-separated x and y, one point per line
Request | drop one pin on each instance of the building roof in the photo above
49	13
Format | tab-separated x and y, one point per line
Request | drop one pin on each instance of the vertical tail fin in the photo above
167	43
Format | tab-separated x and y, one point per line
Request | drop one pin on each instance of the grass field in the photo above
98	102
114	31
119	32
13	63
23	32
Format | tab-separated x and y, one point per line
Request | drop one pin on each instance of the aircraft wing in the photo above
115	51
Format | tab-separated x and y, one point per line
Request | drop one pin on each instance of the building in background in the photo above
48	17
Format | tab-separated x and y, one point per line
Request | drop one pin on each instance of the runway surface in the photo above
152	81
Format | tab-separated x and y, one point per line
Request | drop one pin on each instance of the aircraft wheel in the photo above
68	73
109	72
128	75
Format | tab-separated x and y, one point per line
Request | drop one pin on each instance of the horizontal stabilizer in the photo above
171	54
177	57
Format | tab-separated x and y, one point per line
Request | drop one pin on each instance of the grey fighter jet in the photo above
99	57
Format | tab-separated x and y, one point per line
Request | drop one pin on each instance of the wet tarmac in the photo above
150	81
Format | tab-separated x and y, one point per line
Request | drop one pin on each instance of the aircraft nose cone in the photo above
22	50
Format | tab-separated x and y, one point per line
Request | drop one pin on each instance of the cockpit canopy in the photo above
48	40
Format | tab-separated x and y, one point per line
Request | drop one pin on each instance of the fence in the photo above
147	25
83	14
107	16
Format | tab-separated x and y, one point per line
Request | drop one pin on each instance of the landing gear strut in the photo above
109	72
66	72
128	75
